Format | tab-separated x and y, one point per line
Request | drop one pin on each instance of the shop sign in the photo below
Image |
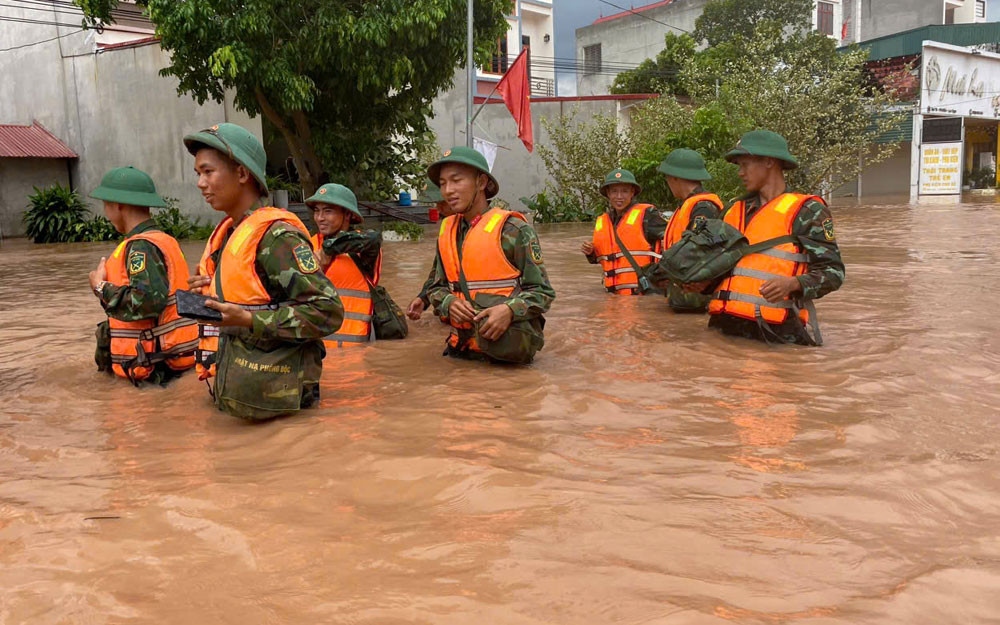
957	82
941	169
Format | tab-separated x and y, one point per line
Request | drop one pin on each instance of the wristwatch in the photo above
99	289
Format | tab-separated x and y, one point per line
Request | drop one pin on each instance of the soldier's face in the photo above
113	211
460	186
330	219
620	196
220	180
754	171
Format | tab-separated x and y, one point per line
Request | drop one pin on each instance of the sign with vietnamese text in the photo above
959	82
941	169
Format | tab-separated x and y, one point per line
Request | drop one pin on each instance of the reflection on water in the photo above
644	470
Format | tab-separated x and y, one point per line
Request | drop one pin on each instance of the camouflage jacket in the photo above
653	227
363	246
145	296
310	308
520	245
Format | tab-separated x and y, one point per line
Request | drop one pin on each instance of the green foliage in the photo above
661	75
178	225
555	210
347	83
735	21
981	178
53	215
279	183
577	155
407	229
95	229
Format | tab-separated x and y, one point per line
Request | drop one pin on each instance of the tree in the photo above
347	83
661	75
723	21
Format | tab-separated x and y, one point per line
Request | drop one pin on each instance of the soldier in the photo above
637	227
420	303
351	258
276	304
769	294
489	279
685	171
143	339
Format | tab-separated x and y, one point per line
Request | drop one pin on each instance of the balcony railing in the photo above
543	87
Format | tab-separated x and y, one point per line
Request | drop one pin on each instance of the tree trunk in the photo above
306	161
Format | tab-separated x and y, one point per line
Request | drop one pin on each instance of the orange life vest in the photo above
681	218
136	346
237	275
483	263
619	276
355	293
739	294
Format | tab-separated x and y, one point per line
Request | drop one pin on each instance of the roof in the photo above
632	11
32	141
911	41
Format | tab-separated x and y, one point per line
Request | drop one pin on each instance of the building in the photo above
530	26
621	41
100	95
864	20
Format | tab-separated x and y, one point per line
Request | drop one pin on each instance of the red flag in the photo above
843	31
516	92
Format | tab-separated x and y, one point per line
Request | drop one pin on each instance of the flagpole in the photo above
470	64
495	87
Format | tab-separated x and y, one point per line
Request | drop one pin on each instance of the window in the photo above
981	9
498	64
824	18
591	59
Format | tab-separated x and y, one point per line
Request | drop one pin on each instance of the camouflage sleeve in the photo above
521	247
437	288
654	226
814	227
703	209
364	248
428	283
310	308
145	296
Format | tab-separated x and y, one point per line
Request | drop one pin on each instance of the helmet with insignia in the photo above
620	176
337	195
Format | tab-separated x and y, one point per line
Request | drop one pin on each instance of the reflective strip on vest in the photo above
354	293
620	271
733	296
783	255
151	333
756	273
356	316
493	284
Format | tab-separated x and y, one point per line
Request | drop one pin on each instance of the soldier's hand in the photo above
461	311
587	248
778	289
696	287
415	309
497	318
197	283
232	314
99	275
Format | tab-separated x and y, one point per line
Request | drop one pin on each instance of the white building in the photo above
530	26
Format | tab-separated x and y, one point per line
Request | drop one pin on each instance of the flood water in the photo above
643	470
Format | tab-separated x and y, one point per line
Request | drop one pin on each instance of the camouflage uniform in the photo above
814	228
653	227
310	307
362	246
520	245
144	297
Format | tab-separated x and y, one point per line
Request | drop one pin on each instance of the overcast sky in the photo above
572	14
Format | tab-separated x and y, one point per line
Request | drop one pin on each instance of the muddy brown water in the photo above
643	470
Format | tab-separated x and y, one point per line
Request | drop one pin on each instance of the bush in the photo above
981	178
96	229
54	214
409	230
562	208
179	225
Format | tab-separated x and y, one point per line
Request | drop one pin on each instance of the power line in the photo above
634	12
28	45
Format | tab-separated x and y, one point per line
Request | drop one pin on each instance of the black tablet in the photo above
192	306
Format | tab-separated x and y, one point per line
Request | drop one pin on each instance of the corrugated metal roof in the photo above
632	11
32	141
910	42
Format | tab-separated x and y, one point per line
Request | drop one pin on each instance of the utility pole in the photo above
470	66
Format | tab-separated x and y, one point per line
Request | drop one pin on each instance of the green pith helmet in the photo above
237	143
464	156
620	176
763	143
685	164
128	185
337	195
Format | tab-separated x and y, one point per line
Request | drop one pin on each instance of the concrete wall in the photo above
18	176
112	108
887	17
890	177
631	39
